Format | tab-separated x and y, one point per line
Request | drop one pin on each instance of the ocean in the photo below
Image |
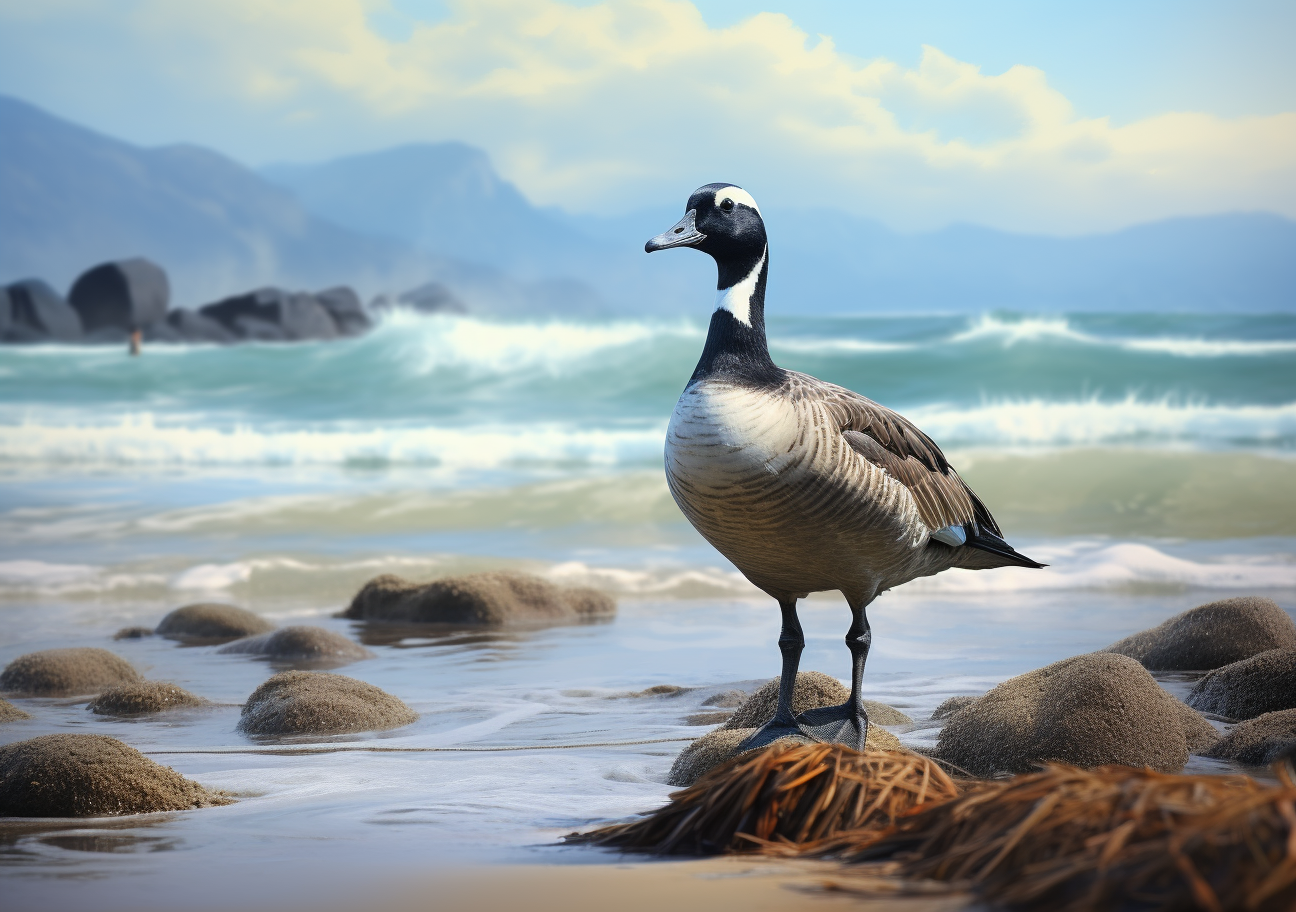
1150	459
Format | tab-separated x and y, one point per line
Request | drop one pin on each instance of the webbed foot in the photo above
845	724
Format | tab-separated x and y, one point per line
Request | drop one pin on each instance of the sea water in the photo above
1149	459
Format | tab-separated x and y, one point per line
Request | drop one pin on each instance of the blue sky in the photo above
1058	118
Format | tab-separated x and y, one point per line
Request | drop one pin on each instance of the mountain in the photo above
71	198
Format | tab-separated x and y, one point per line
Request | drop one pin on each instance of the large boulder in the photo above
184	325
143	698
314	703
66	672
11	713
38	313
124	295
344	306
1259	741
91	776
486	599
1211	636
1090	710
212	621
813	689
312	645
273	315
1261	684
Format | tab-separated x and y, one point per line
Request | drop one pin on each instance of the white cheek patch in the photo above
737	298
738	195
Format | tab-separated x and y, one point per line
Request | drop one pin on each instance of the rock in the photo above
343	305
485	599
11	713
1259	741
1261	684
272	314
133	633
728	699
314	703
310	644
952	705
718	746
122	295
432	297
184	325
1088	711
658	690
38	313
813	689
143	697
66	672
91	776
212	621
1211	636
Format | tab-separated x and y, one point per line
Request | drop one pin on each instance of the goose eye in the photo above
726	204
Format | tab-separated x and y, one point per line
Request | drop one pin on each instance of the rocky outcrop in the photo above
184	325
37	313
312	645
1088	711
1259	741
91	776
66	672
213	622
315	703
143	698
479	599
121	296
1211	636
813	690
1243	690
343	305
273	315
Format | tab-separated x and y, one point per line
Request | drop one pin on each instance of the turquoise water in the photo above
1150	459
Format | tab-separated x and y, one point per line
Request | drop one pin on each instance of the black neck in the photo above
734	348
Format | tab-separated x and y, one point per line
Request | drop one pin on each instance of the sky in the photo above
1032	117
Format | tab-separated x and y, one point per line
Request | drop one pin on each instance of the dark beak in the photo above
684	234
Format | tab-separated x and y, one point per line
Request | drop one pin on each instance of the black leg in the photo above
848	723
791	643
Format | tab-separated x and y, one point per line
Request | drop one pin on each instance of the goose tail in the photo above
998	551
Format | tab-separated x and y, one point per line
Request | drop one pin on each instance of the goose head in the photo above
724	221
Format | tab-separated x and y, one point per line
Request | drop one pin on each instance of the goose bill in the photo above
683	233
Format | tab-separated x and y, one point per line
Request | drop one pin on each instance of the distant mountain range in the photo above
393	219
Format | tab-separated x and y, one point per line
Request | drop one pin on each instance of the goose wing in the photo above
896	446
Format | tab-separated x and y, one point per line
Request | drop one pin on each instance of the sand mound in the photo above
212	621
657	690
1089	710
133	633
11	713
952	705
306	644
66	672
707	718
487	599
1252	687
728	699
781	795
813	690
144	697
1259	741
315	703
90	776
1211	636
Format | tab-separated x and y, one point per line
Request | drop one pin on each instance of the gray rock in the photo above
313	645
1088	711
38	313
314	703
430	298
1211	636
344	306
184	325
272	314
212	621
123	295
1255	686
1259	741
66	672
485	599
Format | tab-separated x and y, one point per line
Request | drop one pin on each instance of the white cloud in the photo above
632	102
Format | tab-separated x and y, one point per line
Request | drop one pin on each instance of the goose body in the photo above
803	485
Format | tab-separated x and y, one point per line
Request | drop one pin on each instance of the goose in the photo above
803	485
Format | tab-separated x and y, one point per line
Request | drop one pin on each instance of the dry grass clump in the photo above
782	797
1067	839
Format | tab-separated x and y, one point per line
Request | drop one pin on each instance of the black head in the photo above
724	221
